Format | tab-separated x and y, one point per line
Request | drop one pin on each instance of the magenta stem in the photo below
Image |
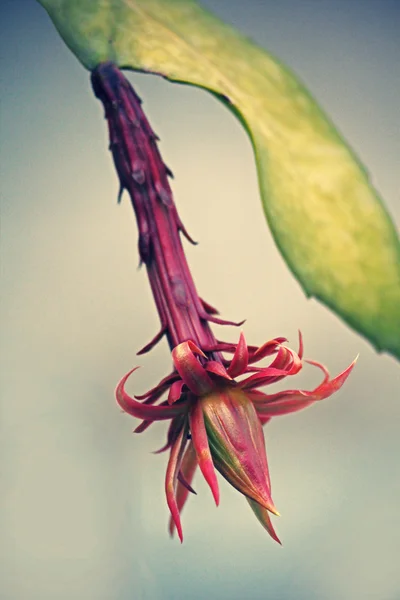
143	174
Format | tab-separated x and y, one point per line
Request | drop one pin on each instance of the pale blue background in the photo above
83	513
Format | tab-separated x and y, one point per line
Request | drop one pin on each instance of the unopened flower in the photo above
214	403
216	420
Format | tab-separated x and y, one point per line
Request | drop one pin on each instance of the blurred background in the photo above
83	513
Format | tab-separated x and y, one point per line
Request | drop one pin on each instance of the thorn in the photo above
153	342
168	171
120	192
189	238
185	484
219	321
211	310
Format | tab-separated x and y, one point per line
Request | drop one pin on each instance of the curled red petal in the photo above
189	368
141	410
290	401
175	391
322	368
288	360
284	403
200	443
270	347
240	358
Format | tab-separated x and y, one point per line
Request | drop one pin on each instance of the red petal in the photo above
174	430
266	349
218	369
285	403
301	346
144	411
173	467
189	368
240	358
143	426
188	469
162	385
175	391
288	360
323	368
200	442
263	377
289	401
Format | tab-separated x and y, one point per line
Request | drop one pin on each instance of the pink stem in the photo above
144	175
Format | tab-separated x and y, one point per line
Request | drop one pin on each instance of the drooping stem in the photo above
183	315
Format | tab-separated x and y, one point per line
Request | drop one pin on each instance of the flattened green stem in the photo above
326	218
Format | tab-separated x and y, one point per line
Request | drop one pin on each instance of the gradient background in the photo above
83	513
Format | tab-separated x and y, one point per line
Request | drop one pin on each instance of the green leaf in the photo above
326	218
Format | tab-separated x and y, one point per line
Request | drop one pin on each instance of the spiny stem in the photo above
142	172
